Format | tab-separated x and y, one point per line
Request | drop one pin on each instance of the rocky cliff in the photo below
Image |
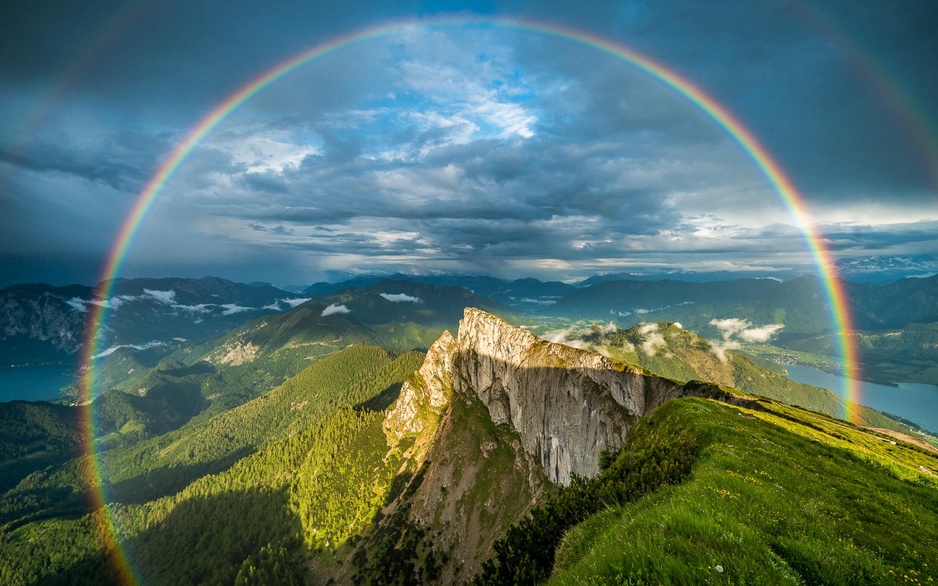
492	419
566	405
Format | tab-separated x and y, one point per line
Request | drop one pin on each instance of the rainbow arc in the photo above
781	183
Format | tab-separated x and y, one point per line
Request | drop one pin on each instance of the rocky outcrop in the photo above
235	353
424	395
566	405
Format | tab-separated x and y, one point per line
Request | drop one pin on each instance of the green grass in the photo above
777	496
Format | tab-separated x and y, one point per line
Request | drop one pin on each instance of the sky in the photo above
450	143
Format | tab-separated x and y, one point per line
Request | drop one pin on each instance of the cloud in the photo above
719	348
538	301
335	309
744	330
112	303
567	337
760	334
736	330
647	328
200	308
78	304
472	149
652	339
233	308
401	298
166	297
146	346
295	301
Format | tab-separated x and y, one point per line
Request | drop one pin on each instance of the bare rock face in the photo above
424	396
566	405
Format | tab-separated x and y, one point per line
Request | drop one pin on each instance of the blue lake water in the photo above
33	383
913	401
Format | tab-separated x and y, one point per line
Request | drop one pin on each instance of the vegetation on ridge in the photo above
774	495
677	353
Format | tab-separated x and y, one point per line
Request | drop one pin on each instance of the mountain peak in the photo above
566	405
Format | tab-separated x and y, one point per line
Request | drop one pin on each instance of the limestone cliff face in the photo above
566	405
424	396
491	419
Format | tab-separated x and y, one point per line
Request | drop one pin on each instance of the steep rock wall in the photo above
566	405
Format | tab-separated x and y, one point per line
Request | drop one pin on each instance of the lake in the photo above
914	401
33	383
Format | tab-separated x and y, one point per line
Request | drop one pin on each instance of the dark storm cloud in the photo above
108	166
885	237
466	145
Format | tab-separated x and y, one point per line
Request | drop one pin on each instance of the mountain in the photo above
669	350
697	277
905	354
497	455
894	304
492	419
754	492
214	375
167	462
800	304
42	323
480	285
37	435
522	294
881	269
38	325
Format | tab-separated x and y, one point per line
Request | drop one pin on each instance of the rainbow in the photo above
836	296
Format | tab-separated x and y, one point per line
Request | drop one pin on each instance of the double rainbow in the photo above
795	203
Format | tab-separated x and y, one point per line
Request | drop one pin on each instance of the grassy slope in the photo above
783	496
170	461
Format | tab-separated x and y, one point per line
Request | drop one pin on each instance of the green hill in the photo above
35	436
705	492
210	377
671	351
234	471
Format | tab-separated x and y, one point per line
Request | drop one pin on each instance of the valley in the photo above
405	431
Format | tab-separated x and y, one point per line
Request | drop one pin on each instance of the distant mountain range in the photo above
880	269
800	301
152	318
45	324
